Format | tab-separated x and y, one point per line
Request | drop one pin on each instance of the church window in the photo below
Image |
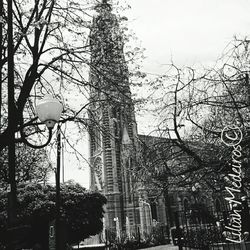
96	139
51	232
217	205
116	131
98	173
114	114
186	204
153	210
128	180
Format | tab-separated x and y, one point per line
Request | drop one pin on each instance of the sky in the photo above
188	32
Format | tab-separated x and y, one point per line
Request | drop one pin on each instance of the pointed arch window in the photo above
186	204
115	115
217	205
153	205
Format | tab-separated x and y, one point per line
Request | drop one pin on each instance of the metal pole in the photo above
1	62
62	151
11	127
11	120
58	166
178	230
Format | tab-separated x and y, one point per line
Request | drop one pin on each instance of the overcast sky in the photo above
187	31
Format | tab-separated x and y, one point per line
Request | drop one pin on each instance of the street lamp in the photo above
195	189
49	111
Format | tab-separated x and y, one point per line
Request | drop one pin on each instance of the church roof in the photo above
125	137
149	139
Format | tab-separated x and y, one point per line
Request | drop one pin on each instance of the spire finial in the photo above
103	5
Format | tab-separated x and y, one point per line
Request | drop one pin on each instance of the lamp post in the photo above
11	124
195	189
196	206
58	198
49	111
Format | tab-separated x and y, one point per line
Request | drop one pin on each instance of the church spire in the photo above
107	57
103	6
113	131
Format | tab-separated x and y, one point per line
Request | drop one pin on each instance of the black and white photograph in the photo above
124	124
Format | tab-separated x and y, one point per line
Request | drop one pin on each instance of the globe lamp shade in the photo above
49	110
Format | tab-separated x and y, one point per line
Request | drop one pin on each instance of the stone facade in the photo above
113	131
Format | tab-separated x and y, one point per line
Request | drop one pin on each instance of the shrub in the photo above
202	236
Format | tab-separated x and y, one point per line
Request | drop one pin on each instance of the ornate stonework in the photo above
113	129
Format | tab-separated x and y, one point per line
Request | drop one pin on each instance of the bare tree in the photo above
52	55
193	106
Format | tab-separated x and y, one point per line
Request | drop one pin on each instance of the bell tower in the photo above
113	129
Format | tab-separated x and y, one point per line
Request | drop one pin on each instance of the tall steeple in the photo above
107	57
113	131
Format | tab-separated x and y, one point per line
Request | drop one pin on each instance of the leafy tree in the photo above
81	211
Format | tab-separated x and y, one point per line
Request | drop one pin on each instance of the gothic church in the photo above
114	141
